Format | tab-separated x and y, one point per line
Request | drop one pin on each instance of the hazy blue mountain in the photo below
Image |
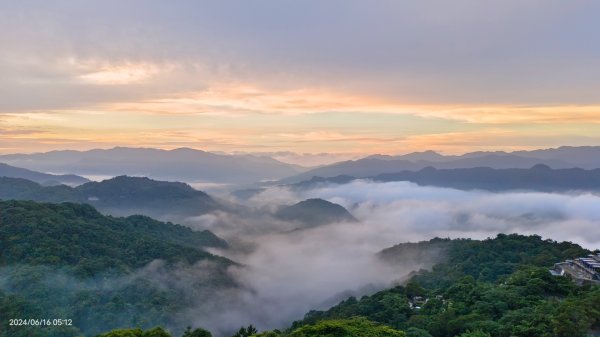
428	156
131	195
378	164
182	164
315	212
315	181
357	168
39	177
119	196
246	194
23	189
572	156
587	157
540	177
499	161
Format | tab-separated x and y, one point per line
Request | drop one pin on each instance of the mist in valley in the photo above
286	272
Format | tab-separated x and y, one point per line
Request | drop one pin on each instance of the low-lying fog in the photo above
287	273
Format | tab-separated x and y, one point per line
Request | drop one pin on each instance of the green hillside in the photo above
69	261
498	287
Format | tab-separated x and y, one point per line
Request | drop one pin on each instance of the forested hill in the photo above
486	260
315	212
78	236
69	261
498	287
120	196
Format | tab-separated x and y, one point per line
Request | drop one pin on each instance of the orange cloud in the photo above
238	99
177	119
118	74
517	114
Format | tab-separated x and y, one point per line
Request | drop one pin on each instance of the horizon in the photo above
293	158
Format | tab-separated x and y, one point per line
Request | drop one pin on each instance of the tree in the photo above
477	333
416	332
123	333
274	333
414	289
245	332
156	332
198	332
347	328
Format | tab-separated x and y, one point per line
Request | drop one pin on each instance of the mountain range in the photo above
540	177
164	200
183	164
190	165
559	158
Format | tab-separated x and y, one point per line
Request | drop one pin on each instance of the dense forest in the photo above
69	261
498	287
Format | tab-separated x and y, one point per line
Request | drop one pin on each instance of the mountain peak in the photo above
541	167
315	212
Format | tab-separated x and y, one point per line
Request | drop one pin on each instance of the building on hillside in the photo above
581	270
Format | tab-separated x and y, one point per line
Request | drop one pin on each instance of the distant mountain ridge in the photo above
179	164
559	158
587	157
119	196
540	177
39	177
185	164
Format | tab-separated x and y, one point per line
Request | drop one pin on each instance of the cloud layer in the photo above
288	273
466	51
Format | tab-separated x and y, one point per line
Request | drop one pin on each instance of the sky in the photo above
344	77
